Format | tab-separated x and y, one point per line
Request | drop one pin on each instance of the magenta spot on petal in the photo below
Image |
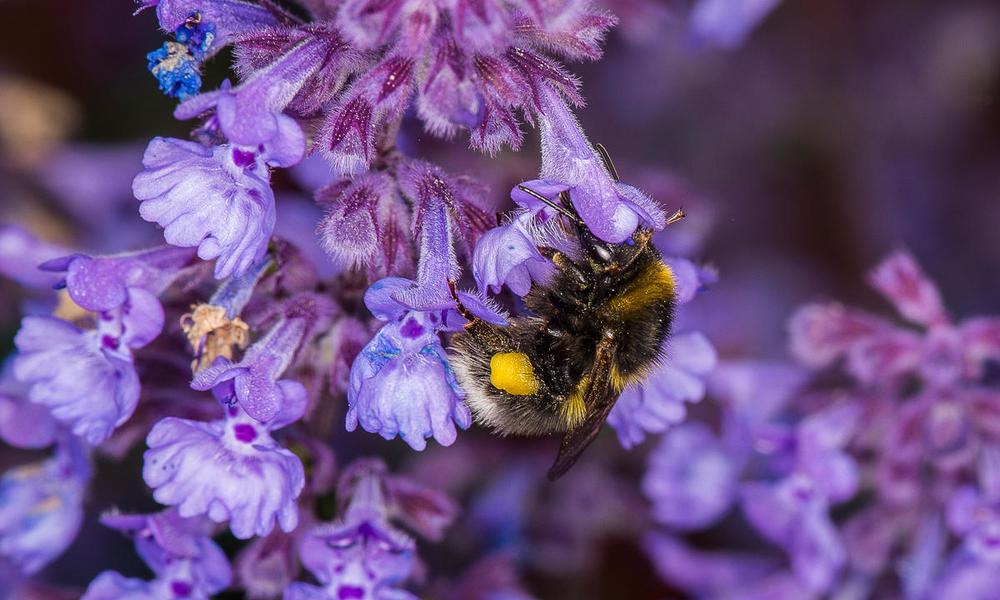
110	342
243	159
245	433
181	589
350	591
412	329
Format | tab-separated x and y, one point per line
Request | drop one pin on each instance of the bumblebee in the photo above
595	327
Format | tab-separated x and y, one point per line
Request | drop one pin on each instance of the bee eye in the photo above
603	252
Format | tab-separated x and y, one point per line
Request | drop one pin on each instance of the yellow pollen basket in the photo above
512	372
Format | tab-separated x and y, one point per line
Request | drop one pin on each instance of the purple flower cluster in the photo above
228	378
882	485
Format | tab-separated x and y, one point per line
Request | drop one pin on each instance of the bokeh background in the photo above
836	132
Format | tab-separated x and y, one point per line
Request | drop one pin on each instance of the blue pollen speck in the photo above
197	37
175	69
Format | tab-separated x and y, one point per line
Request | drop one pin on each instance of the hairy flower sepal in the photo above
230	469
401	384
611	210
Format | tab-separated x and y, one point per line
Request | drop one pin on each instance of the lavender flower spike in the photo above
401	382
219	200
611	210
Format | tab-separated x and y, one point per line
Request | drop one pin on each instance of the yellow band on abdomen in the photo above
513	373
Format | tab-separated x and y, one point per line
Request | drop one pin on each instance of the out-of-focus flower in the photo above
218	200
230	470
691	478
86	378
726	23
180	552
21	253
41	507
659	401
23	424
267	565
360	556
879	351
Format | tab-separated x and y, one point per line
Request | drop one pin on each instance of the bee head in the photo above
607	254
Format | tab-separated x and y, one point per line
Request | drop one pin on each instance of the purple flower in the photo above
250	115
122	289
180	552
611	210
508	255
401	384
227	17
361	556
230	470
718	574
367	223
86	378
691	479
266	565
794	512
219	200
254	379
877	351
726	23
973	513
41	507
659	401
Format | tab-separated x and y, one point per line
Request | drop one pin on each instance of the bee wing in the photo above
599	398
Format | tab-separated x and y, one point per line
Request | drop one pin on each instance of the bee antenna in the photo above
606	159
546	201
677	216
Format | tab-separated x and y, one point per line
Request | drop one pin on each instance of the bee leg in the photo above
462	310
564	263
